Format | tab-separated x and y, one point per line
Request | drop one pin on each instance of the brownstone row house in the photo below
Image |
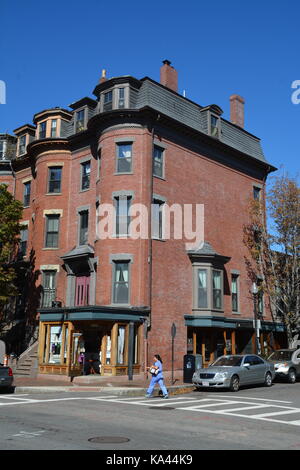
138	142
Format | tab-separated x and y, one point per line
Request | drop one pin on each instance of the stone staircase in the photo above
27	364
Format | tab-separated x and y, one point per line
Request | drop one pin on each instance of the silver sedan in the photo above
232	371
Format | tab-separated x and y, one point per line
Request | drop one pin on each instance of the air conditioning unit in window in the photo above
56	304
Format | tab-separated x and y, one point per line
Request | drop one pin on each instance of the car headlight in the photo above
221	375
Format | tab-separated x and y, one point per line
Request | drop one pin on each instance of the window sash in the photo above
2	153
234	293
157	219
217	289
107	102
84	227
49	288
85	175
158	158
122	215
54	185
52	231
124	158
121	100
202	288
26	194
42	130
121	345
121	283
79	121
256	193
23	241
214	126
53	127
22	145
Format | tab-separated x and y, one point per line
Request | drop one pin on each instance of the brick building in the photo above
116	298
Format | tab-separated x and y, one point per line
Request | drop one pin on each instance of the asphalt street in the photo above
251	419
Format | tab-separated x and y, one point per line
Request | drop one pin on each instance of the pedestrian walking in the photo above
157	377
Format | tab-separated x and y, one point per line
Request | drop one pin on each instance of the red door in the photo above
82	290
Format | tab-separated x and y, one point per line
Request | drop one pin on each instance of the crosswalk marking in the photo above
252	407
277	413
255	398
242	407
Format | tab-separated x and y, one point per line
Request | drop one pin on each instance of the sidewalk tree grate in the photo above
108	440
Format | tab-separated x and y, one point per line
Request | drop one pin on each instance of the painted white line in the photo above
254	407
277	413
252	398
295	423
150	399
16	398
210	404
96	398
13	397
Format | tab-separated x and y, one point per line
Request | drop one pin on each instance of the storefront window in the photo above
135	346
76	349
55	344
121	344
66	344
108	350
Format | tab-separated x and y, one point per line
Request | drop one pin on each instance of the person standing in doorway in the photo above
157	377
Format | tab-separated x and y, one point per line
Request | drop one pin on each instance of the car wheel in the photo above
292	376
234	384
268	379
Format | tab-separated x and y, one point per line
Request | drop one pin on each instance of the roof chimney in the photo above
168	76
237	110
103	76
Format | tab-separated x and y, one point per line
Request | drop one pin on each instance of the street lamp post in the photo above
254	291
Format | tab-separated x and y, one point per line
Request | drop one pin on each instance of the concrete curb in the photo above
119	391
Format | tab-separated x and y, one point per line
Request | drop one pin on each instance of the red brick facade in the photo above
161	271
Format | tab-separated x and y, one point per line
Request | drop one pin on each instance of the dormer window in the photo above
42	130
2	149
79	120
108	97
214	126
116	97
22	145
121	98
53	128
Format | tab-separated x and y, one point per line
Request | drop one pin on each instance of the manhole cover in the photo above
108	440
161	408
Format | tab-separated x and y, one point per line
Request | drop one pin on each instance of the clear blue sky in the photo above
52	54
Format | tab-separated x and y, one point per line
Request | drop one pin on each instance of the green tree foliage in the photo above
10	215
275	252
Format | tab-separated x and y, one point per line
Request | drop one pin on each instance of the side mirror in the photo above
246	364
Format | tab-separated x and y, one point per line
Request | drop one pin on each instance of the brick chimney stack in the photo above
168	76
237	110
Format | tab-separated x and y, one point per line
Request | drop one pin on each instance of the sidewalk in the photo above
119	385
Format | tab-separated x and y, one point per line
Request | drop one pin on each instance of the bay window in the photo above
202	288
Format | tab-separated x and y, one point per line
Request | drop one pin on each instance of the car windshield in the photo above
228	361
281	356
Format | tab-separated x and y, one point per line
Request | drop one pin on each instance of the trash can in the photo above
191	362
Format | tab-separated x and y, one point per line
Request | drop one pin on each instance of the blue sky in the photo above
52	54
